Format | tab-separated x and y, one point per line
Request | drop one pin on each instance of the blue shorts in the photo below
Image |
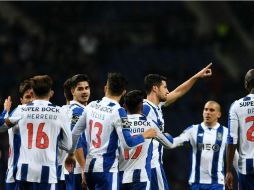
246	182
24	185
102	180
10	186
199	186
73	181
61	185
158	179
135	186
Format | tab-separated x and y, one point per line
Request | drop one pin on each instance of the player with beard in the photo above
158	96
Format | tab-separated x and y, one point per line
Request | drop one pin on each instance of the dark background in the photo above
175	39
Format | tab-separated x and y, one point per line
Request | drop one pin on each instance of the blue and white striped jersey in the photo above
208	147
62	154
135	164
241	127
106	123
42	127
14	145
76	109
154	113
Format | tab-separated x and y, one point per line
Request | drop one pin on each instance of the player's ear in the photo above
219	114
72	90
105	89
123	93
51	93
154	88
21	100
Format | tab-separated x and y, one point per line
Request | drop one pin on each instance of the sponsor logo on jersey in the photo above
214	147
243	104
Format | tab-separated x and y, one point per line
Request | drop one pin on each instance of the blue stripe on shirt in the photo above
230	139
146	109
110	156
216	154
249	166
44	174
24	170
149	159
200	136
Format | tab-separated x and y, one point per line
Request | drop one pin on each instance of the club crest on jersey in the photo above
219	136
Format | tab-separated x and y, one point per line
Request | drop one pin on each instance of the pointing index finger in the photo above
209	65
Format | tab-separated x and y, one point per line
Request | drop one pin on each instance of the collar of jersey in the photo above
206	127
151	103
41	102
110	100
75	102
251	95
135	116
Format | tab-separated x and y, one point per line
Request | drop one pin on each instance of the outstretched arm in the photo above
169	142
186	86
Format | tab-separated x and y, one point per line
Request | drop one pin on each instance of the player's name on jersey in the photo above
137	130
36	109
139	123
41	116
251	110
246	103
102	108
214	147
97	115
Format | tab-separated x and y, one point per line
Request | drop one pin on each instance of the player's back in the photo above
242	113
103	118
41	127
135	164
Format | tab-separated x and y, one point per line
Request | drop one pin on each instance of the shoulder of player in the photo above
120	111
193	127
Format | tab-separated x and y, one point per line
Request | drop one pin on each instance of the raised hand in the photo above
7	104
205	72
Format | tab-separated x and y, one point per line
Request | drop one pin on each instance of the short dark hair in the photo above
133	100
67	89
249	79
78	78
153	80
116	83
24	86
41	85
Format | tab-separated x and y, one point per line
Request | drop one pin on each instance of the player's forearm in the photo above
235	161
230	155
66	141
131	141
79	154
165	139
181	90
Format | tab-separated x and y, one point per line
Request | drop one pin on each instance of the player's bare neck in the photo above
210	125
252	91
116	98
42	98
153	98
